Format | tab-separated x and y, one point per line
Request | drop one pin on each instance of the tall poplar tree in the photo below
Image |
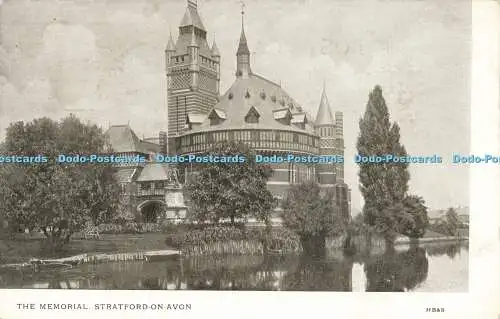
383	185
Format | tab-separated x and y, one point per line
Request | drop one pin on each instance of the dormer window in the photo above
283	116
247	95
230	95
263	95
273	98
252	116
282	102
216	116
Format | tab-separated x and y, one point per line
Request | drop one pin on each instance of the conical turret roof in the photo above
215	50
324	115
243	46
170	44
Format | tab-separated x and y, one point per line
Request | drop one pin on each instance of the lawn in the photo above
22	249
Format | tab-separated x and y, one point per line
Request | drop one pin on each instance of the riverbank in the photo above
42	264
21	250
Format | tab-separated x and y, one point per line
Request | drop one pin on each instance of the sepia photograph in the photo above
285	145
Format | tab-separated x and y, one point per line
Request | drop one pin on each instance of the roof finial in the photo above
242	12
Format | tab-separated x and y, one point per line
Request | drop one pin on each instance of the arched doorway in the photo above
151	210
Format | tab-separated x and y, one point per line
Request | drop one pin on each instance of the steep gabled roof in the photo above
154	172
191	17
123	139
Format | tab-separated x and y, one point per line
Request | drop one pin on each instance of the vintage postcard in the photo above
151	150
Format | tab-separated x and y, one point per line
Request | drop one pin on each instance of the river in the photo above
429	268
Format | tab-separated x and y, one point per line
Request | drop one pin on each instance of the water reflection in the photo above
395	271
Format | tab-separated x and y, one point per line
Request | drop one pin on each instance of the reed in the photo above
232	247
226	240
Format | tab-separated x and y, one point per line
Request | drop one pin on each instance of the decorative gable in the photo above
216	116
252	116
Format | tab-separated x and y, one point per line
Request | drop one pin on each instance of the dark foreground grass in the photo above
22	249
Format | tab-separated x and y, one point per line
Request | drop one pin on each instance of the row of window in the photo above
183	58
159	185
257	145
268	136
326	131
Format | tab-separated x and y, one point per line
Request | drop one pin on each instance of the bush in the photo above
202	235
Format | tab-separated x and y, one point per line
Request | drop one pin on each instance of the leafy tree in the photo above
311	215
58	199
383	185
232	191
452	222
416	220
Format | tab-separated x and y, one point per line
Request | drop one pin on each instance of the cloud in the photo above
70	60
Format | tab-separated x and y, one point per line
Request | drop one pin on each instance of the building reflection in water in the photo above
395	271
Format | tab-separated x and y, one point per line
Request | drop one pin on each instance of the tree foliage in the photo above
58	199
307	211
418	220
234	191
312	215
384	186
448	225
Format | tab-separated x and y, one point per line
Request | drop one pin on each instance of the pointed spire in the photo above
215	50
324	116
243	46
170	44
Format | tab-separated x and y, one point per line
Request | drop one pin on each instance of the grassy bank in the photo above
22	249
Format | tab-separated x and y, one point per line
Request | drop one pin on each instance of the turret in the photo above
325	128
216	56
243	54
169	51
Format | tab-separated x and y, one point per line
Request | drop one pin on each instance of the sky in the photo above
103	60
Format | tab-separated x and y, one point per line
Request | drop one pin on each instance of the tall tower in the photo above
325	128
193	73
331	139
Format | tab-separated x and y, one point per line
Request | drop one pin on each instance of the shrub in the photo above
203	235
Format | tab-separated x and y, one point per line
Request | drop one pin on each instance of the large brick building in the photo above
254	110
